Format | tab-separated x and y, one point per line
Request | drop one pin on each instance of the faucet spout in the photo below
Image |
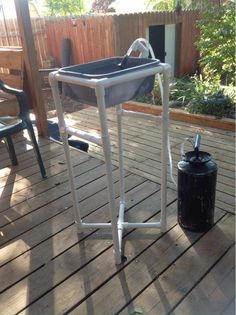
123	62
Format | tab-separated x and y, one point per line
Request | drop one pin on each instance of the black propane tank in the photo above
197	174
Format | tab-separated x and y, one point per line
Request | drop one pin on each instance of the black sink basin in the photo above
109	68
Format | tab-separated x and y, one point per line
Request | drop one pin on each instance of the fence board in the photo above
188	61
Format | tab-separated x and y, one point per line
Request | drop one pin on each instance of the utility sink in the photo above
108	69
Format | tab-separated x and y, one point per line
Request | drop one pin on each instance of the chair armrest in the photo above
6	88
21	97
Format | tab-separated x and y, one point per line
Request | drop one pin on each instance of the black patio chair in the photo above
10	125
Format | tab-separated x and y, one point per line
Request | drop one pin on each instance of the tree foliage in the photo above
162	5
170	5
102	6
64	7
217	43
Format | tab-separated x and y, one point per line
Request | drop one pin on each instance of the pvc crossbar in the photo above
81	134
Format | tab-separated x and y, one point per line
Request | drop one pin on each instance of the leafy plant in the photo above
201	96
217	104
171	5
162	5
64	7
217	42
197	96
182	90
192	88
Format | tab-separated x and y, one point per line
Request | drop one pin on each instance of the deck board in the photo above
194	263
213	293
142	151
47	268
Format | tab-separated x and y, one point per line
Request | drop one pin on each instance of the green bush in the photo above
197	96
192	88
64	7
202	97
217	42
217	104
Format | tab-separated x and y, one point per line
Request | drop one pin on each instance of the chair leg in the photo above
36	149
11	150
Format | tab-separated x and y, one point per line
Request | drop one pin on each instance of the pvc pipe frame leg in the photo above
62	128
100	94
121	171
164	152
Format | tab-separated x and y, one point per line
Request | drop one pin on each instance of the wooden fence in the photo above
92	37
9	36
96	37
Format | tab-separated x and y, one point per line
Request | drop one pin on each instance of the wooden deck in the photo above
142	151
47	268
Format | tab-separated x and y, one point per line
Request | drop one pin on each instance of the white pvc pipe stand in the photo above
117	225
